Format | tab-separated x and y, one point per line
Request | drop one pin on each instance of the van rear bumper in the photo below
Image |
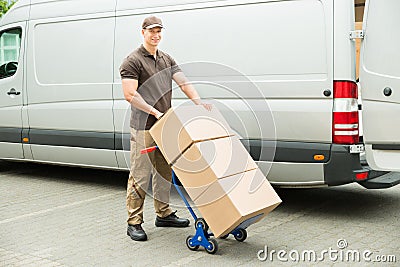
339	166
342	166
381	182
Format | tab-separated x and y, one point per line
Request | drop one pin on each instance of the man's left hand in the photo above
206	106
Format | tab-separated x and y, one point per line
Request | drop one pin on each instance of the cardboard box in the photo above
184	125
214	167
205	162
238	200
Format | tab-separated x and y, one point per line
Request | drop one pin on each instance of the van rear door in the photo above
380	84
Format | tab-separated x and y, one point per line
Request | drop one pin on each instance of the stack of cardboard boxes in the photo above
216	170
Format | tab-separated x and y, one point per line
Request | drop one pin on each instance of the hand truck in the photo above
202	236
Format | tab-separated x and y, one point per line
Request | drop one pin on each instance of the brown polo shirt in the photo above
154	77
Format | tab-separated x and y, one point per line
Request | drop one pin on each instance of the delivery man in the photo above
147	75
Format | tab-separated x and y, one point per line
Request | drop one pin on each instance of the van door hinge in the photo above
359	34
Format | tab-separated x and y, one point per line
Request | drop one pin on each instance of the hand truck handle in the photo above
148	150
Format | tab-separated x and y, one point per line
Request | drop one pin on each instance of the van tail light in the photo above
345	113
361	176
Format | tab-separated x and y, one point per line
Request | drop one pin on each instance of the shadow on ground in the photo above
66	173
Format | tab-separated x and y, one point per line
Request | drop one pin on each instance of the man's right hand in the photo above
158	115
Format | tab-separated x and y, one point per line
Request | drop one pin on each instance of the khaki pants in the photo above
142	167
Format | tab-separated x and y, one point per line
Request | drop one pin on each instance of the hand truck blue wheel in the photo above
239	234
202	238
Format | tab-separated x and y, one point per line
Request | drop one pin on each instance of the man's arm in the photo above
188	89
130	87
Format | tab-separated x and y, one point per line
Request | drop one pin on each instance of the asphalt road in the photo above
62	216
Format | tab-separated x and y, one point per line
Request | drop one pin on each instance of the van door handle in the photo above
13	92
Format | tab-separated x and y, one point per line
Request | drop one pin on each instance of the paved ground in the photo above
60	216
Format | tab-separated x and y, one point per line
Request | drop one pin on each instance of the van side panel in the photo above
70	89
143	6
282	48
56	8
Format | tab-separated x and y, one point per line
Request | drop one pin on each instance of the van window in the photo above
10	44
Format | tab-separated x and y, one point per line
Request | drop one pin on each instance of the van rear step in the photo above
381	182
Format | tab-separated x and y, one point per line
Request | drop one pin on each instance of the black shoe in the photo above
171	221
136	232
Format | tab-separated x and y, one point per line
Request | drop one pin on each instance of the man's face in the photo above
152	36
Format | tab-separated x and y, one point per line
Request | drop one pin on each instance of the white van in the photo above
61	100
